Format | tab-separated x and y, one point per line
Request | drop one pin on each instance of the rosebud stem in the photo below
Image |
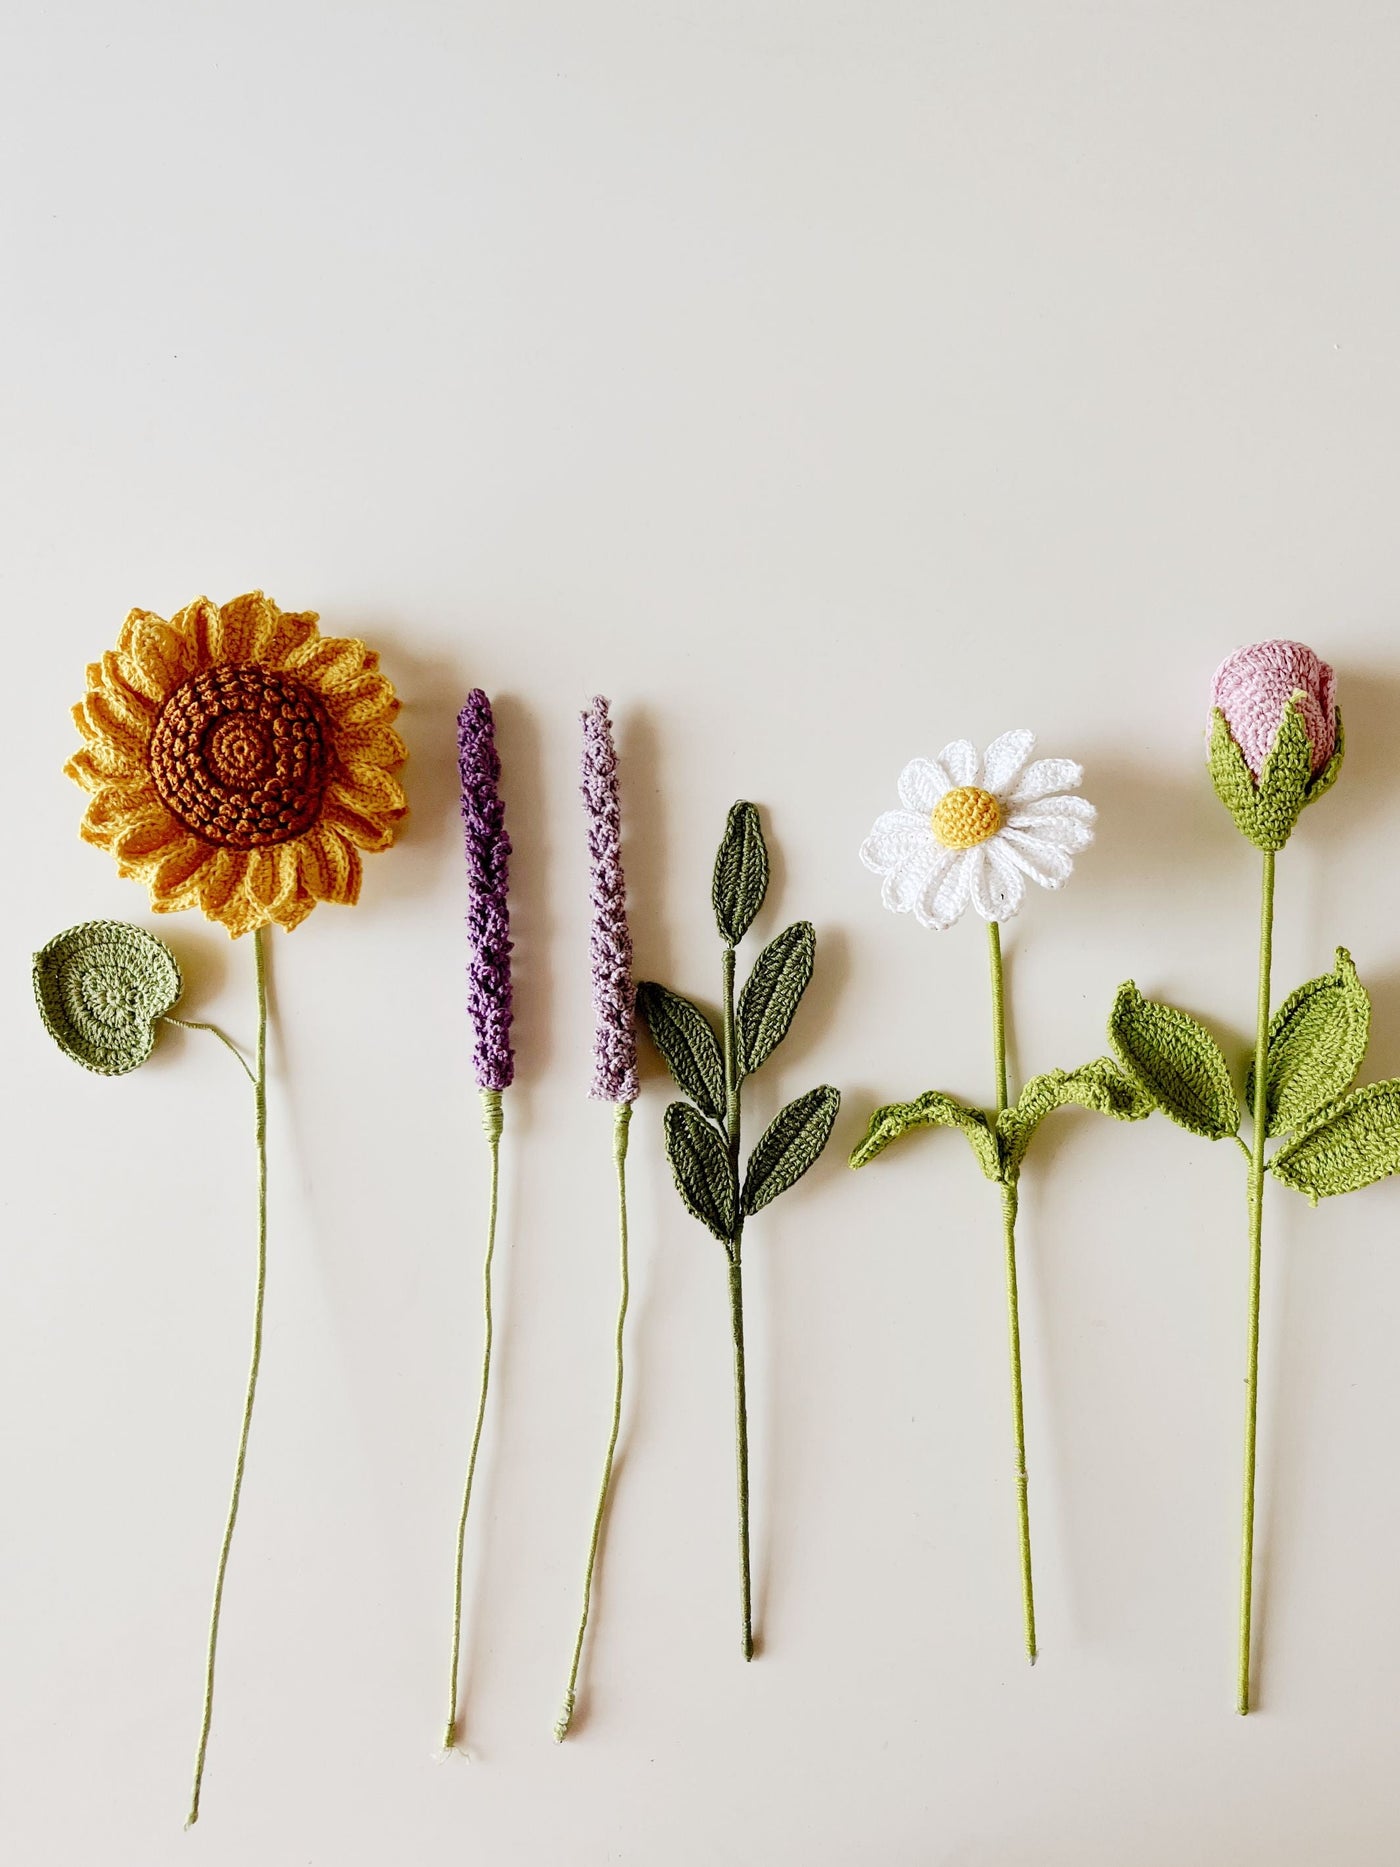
1013	1307
1256	1242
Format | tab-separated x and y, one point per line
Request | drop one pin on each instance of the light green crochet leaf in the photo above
771	993
688	1045
1317	1040
1100	1085
1267	811
1176	1061
741	874
931	1110
791	1143
1352	1144
701	1165
101	988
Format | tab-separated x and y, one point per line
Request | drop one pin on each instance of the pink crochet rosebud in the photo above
1253	687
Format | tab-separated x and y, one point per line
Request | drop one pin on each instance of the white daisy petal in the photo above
1041	860
1044	777
1003	759
997	886
907	885
898	836
1065	832
922	782
1053	806
944	898
960	761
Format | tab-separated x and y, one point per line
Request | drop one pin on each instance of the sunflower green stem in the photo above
1256	1255
259	1080
1013	1307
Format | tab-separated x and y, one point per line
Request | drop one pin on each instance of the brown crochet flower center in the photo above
242	756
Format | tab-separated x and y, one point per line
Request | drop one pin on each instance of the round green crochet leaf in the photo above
100	988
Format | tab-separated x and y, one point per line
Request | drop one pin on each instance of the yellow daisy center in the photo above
965	817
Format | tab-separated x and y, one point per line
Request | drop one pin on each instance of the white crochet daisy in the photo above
972	830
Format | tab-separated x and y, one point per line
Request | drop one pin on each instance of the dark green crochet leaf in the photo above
931	1110
101	988
1352	1144
789	1145
770	996
1100	1085
688	1045
741	874
1316	1043
1176	1061
704	1176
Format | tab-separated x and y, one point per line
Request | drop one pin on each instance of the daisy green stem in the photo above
1256	1254
492	1121
1013	1307
622	1116
259	1080
736	1302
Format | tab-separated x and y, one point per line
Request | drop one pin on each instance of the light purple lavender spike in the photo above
610	943
488	917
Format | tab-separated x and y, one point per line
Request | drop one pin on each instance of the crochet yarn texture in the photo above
102	987
488	880
238	761
610	942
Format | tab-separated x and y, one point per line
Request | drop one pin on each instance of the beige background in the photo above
822	382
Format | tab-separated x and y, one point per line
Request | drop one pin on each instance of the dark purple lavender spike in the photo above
614	1013
488	917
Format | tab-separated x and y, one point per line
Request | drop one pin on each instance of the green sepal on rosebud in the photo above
1266	810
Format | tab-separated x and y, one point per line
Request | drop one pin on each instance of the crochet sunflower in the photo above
239	761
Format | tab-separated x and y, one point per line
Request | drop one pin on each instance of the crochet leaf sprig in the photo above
1275	747
972	830
703	1135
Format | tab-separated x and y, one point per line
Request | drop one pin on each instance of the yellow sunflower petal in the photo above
330	867
161	656
147	832
220	880
295	628
371	745
199	628
121	682
246	626
371	790
174	882
365	832
326	662
271	875
368	700
239	914
99	768
123	727
294	910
